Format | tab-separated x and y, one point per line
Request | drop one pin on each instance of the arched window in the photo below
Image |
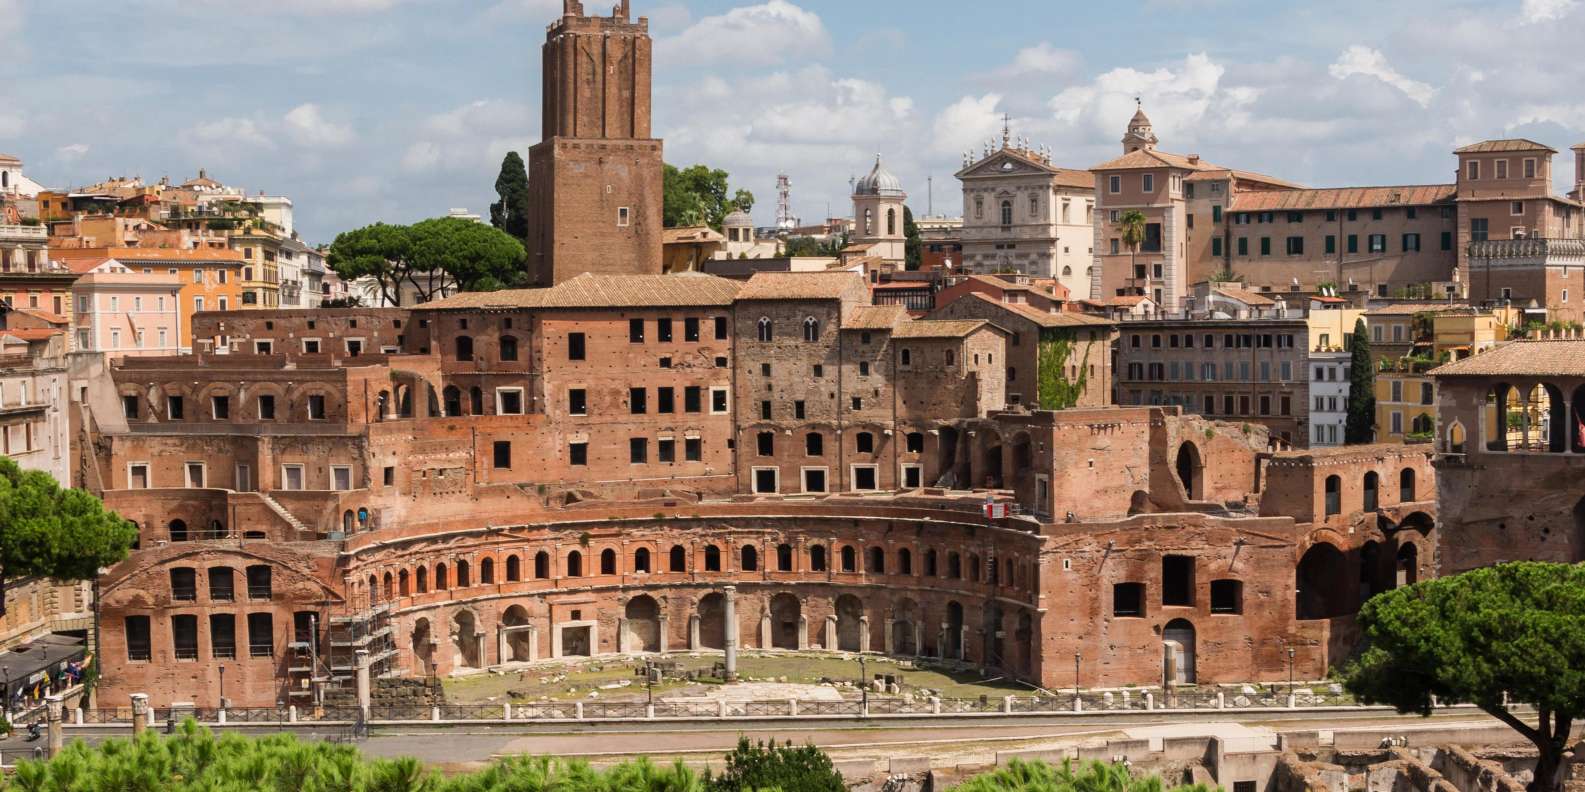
1406	485
850	559
1067	271
905	562
1007	212
462	574
641	560
608	561
817	558
1372	486
748	560
679	559
421	579
930	562
440	577
974	568
508	347
891	222
487	571
1334	495
954	566
464	348
390	586
877	561
766	330
784	554
452	396
475	401
402	585
514	569
811	329
541	565
712	558
575	564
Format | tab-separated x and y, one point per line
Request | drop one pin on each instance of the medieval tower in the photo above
595	176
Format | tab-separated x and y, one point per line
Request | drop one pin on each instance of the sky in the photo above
397	110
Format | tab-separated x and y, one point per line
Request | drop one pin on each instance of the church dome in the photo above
738	219
879	182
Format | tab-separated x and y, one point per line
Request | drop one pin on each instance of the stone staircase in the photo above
281	512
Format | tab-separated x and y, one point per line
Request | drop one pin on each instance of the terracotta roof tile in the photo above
1341	198
799	285
1146	158
1412	308
31	333
1242	175
670	236
1043	318
603	291
1507	144
873	317
939	328
1542	358
1244	296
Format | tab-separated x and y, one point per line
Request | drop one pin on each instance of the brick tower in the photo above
595	176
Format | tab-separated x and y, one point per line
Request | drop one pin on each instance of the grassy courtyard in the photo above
569	681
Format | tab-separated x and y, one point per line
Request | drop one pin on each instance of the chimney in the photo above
1194	159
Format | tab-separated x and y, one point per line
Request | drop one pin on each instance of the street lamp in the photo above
864	684
1290	672
222	687
1076	676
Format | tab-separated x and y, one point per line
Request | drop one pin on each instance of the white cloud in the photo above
471	137
769	33
72	152
525	10
1533	11
307	126
230	132
10	18
1368	62
305	7
1041	59
966	124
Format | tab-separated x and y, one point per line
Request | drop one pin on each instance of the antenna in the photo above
784	216
930	196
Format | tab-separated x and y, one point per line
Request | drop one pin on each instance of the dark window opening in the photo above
1227	596
1128	599
1177	580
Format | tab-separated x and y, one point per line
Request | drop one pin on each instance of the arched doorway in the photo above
178	530
465	640
1023	642
643	624
990	474
849	611
1189	467
953	646
519	647
1408	565
712	621
785	615
423	647
905	620
1322	583
1177	666
947	459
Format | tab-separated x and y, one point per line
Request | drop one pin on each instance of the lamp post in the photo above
1076	657
864	684
222	687
1290	672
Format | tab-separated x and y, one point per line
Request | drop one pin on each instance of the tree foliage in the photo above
1516	629
699	195
788	768
809	246
510	213
47	531
913	253
1021	776
1360	424
428	257
1057	348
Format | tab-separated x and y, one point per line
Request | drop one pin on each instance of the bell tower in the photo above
1139	135
595	176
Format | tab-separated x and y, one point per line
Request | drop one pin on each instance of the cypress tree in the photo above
510	214
1361	389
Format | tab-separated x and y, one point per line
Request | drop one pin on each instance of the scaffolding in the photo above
367	629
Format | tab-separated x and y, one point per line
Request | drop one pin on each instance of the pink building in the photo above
127	314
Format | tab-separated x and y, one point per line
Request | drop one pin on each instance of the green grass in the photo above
804	668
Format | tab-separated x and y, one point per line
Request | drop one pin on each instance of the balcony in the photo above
24	233
1510	251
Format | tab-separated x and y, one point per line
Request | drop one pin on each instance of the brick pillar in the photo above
887	638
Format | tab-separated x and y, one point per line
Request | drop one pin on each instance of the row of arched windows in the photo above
441	577
1370	497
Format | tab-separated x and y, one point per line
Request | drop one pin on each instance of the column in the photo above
140	713
665	633
621	636
365	693
941	641
731	633
764	630
864	634
891	627
831	634
803	632
52	719
919	638
501	653
693	632
480	641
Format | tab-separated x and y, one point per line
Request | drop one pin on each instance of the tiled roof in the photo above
1242	175
798	285
1341	198
938	328
1043	318
873	317
1125	300
180	255
1543	358
687	289
1147	158
1498	146
670	236
31	333
1073	177
52	318
1412	308
1244	296
8	159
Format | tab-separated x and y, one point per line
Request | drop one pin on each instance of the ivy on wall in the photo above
1056	392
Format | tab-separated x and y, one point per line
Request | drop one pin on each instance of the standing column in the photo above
665	634
864	633
52	718
731	633
364	683
140	713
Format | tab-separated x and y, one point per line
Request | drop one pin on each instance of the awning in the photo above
29	663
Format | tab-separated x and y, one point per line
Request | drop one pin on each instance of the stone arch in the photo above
1178	665
642	614
1502	400
786	616
402	579
451	399
1190	468
1322	580
1545	424
1457	437
712	621
574	564
1406	486
678	559
382	405
464	579
466	640
421	580
441	581
519	643
641	562
347	519
988	471
1372	491
389	586
849	612
1407	565
422	643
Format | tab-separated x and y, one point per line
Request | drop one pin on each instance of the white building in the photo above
34	428
1328	397
13	184
1025	215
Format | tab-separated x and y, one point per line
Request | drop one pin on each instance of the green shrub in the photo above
1021	776
788	768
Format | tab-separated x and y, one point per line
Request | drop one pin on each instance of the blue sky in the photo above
365	110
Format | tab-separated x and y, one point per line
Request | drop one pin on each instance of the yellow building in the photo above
1405	396
261	276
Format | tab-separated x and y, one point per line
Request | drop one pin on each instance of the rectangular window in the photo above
1516	208
501	452
638	450
720	328
638	400
814	479
1147	182
635	331
1177	580
220	408
1331	243
575	346
1472	170
340	478
1502	169
222	636
718	401
865	478
666	450
136	629
1216	246
1529	167
1128	599
1378	243
1353	243
665	400
266	407
663	330
577	401
1447	240
1478	229
1265	246
1114	184
765	480
1397	422
316	408
508	401
1296	246
261	635
690	329
623	215
693	399
693	449
578	453
1411	243
1216	213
